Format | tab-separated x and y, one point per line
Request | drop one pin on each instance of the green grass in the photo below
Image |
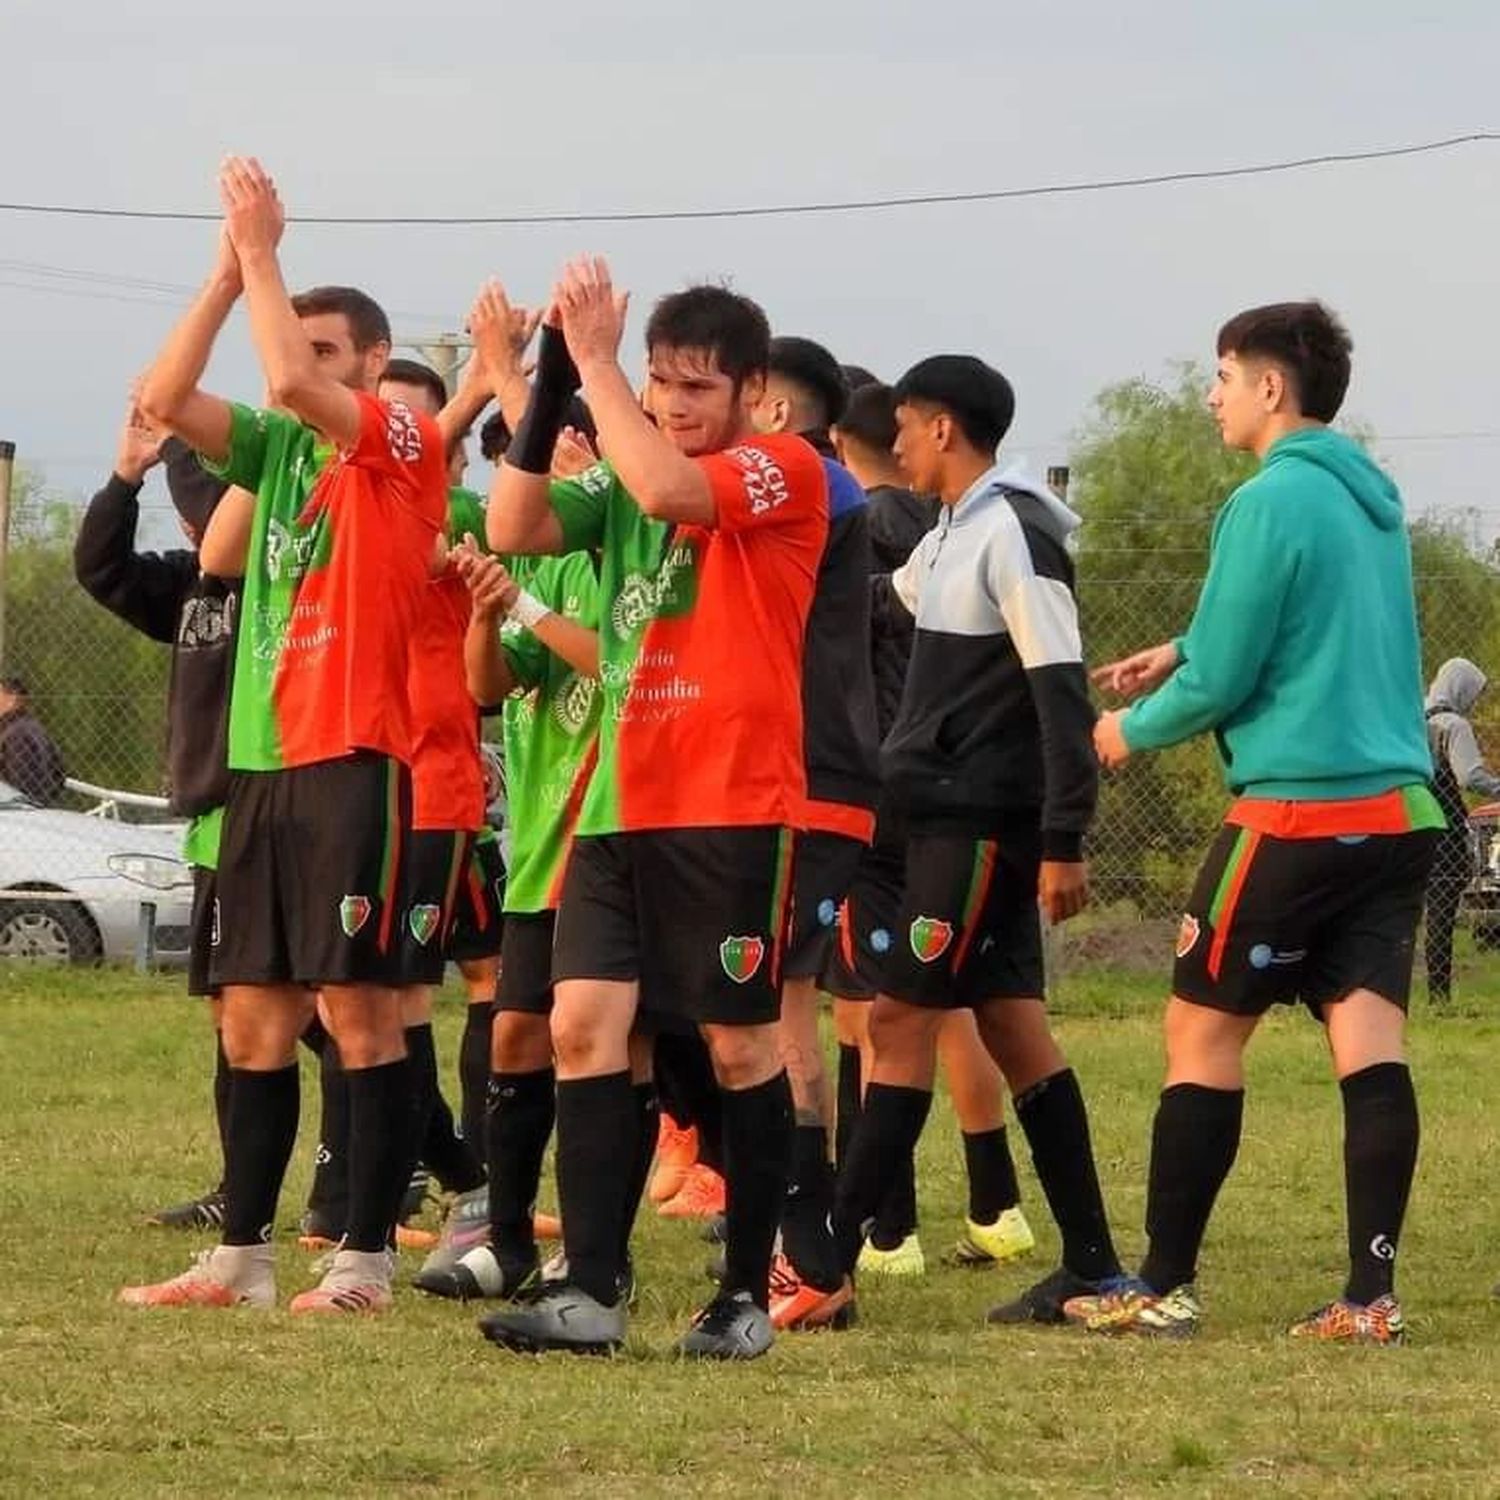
104	1113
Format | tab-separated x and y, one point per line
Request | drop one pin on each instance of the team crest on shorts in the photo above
423	921
741	957
354	912
930	937
1187	936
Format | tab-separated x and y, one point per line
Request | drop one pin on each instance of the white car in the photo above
72	884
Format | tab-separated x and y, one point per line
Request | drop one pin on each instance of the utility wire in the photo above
852	205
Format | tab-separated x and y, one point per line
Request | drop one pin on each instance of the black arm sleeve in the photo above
145	589
556	381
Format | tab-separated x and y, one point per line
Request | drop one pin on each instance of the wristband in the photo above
556	381
528	611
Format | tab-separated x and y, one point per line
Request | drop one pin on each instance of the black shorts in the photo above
310	874
867	918
526	963
201	929
821	878
1273	921
436	860
969	929
478	911
696	915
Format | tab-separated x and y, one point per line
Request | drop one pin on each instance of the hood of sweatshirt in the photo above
1055	518
1456	687
1342	457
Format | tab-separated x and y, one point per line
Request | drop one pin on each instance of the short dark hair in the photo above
368	324
495	433
856	376
870	417
414	372
1306	341
731	328
14	685
809	365
977	397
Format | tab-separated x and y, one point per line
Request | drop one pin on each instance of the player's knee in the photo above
585	1043
520	1043
743	1056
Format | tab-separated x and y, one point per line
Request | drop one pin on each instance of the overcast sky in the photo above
445	108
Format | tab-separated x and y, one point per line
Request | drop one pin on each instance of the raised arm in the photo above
666	484
495	368
169	398
295	379
520	518
144	589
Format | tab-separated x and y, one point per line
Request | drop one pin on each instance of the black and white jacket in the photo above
995	721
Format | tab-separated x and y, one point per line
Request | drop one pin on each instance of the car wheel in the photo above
47	932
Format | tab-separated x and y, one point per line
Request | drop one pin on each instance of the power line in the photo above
853	205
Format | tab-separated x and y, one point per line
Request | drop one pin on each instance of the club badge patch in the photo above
354	912
1187	936
423	921
741	957
930	937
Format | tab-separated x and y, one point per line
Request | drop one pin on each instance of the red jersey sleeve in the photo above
404	446
775	480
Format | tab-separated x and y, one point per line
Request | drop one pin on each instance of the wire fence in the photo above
93	851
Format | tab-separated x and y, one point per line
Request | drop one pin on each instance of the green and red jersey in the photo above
550	728
447	777
700	640
339	554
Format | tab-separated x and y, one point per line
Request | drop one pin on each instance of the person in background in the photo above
29	758
1458	767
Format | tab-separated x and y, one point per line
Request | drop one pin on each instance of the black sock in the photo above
806	1232
1193	1146
992	1175
315	1036
222	1075
849	1090
262	1129
328	1198
889	1128
380	1116
1381	1131
436	1143
896	1218
687	1089
521	1109
758	1131
648	1127
596	1125
1057	1128
474	1073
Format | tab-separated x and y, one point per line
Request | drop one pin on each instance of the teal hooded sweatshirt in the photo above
1302	655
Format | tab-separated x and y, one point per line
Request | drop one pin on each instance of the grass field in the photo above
104	1092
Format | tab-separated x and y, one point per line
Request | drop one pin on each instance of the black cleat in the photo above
1043	1303
557	1316
206	1212
730	1327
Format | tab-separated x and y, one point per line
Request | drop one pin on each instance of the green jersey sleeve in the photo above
466	517
250	433
581	505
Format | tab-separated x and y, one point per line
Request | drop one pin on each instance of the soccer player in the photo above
1303	660
350	495
805	394
543	666
168	597
990	773
996	1230
677	882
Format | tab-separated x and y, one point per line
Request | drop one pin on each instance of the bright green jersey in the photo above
550	726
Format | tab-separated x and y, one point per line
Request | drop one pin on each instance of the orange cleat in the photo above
676	1151
798	1304
701	1195
546	1226
226	1276
410	1237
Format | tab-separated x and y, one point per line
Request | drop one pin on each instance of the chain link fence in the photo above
105	844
